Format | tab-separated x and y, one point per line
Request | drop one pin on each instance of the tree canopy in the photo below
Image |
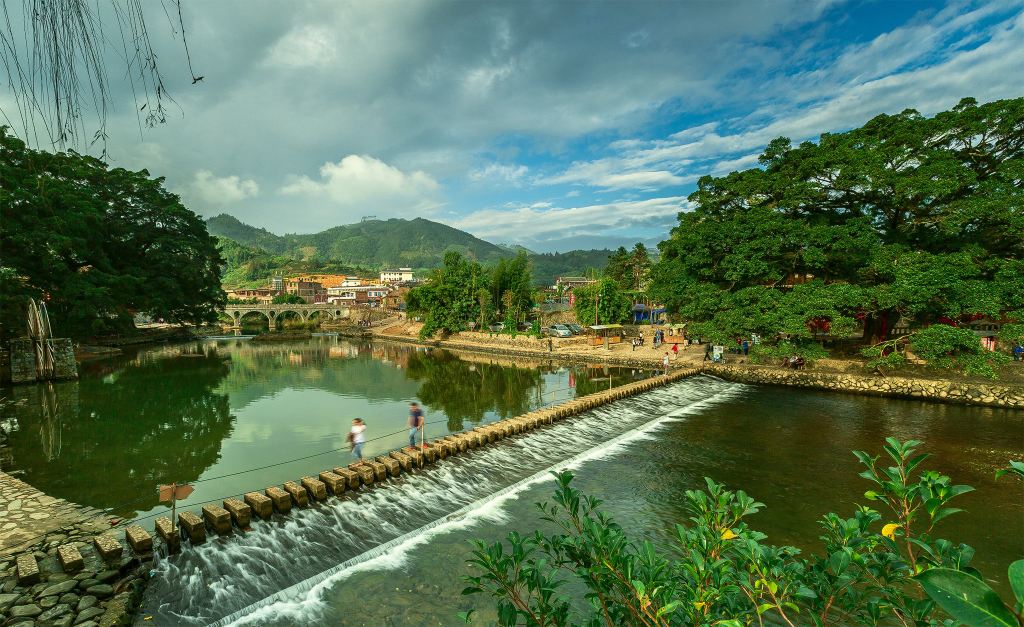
601	303
98	244
463	291
906	217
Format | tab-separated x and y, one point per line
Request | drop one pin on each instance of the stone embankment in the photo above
60	565
934	390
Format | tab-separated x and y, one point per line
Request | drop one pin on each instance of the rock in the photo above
100	590
55	612
86	602
89	614
88	623
62	621
7	600
70	598
118	612
25	611
47	602
59	588
86	583
107	576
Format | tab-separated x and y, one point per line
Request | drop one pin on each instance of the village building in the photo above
400	275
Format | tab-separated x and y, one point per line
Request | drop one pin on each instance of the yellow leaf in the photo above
727	534
889	531
699	605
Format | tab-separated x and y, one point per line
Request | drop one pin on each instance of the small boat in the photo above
325	334
229	337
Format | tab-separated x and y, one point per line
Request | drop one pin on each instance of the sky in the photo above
553	125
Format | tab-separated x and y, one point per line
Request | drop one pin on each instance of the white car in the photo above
560	330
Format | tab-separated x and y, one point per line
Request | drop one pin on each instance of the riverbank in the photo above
37	532
838	377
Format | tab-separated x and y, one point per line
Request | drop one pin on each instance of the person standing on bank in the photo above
664	362
358	437
415	423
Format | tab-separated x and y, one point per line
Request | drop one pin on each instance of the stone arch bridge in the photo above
272	311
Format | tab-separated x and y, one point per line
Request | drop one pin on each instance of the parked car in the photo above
576	329
559	330
497	327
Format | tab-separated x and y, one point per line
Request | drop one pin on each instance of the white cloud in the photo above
361	185
542	221
305	46
847	99
502	173
221	190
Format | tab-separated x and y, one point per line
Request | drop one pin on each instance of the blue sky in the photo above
555	125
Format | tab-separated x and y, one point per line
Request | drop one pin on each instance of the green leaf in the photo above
466	617
1016	576
966	598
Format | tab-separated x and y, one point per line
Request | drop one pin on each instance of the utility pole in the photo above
597	305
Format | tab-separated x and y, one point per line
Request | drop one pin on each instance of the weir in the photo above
204	583
369	472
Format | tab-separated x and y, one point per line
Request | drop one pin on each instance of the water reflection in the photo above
207	409
110	437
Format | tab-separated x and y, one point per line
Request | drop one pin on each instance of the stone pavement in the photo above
26	514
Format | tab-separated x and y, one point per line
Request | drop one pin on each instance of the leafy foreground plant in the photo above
723	573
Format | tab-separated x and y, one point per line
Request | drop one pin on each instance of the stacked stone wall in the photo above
23	361
944	391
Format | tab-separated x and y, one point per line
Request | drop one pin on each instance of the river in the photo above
228	416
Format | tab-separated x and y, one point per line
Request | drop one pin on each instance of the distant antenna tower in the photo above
365	218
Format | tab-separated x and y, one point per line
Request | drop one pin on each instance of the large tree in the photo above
906	217
98	244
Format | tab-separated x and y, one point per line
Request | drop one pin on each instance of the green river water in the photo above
234	416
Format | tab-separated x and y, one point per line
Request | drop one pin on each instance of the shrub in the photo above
873	566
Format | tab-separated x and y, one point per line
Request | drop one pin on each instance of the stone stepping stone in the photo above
298	493
70	559
108	547
166	532
140	541
193	527
281	499
316	488
365	473
351	477
28	570
260	504
380	471
403	460
394	469
218	519
335	483
241	513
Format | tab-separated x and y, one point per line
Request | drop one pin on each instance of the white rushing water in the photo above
280	569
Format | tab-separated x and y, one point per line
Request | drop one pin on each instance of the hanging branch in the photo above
53	53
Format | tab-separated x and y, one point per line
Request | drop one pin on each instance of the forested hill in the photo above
416	243
254	254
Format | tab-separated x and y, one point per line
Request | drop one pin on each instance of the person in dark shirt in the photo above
415	423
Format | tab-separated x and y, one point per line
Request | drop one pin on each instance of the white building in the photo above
357	295
400	275
352	281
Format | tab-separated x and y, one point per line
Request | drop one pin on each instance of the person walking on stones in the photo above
664	362
415	423
357	438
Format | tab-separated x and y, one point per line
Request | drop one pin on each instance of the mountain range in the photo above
254	254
